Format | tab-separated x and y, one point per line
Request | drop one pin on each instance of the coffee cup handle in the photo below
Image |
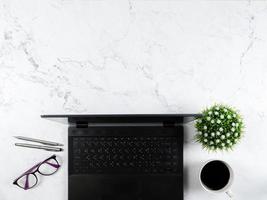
230	194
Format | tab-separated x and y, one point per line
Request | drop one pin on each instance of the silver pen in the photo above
38	141
47	148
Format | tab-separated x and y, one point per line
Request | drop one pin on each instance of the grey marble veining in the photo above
135	56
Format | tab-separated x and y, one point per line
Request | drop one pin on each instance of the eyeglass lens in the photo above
49	167
27	181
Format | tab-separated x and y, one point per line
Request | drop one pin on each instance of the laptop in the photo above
125	157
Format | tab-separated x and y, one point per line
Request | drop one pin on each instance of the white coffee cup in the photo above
227	187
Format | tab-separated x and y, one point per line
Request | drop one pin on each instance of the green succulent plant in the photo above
219	128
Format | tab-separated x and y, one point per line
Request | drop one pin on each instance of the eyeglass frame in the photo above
33	172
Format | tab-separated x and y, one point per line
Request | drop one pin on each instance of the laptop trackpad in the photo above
123	187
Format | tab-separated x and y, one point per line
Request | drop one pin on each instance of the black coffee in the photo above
215	175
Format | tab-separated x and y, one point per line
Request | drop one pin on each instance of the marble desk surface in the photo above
135	56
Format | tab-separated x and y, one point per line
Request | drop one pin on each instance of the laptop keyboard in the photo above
125	155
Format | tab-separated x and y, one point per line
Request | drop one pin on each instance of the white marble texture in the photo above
135	56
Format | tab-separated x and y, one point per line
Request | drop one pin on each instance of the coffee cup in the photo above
216	176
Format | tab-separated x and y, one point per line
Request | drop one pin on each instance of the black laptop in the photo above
125	157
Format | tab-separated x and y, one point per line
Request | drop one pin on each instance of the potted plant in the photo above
219	128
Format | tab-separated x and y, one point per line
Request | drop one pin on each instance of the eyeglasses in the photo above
46	168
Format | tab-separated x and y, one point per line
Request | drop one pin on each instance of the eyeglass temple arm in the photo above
29	170
53	165
26	187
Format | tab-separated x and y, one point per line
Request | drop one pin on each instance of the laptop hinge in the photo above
85	124
169	124
82	124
